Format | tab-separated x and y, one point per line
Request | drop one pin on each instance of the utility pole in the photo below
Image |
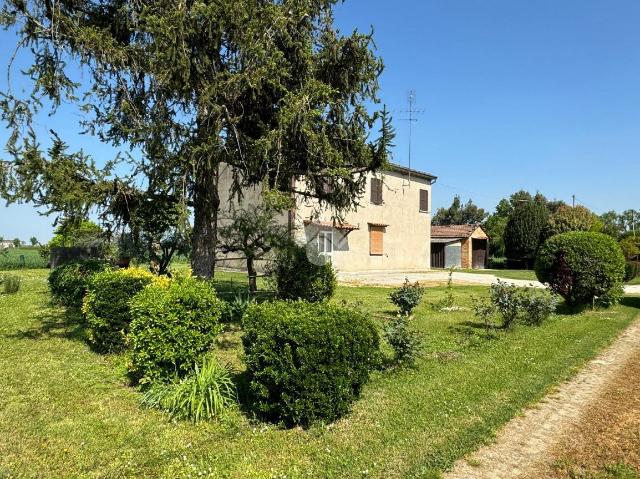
411	119
573	198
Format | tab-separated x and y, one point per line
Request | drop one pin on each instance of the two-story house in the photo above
390	230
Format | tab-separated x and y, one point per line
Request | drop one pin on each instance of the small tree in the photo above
254	232
567	218
34	241
459	214
17	242
523	232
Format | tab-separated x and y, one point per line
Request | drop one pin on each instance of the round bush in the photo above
106	306
296	277
582	267
69	282
172	326
307	361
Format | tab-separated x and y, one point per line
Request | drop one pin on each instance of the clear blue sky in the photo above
539	95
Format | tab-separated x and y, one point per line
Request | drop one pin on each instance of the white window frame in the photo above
325	244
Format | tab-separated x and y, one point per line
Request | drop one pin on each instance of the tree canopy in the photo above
269	88
459	214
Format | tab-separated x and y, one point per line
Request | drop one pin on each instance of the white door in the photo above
325	245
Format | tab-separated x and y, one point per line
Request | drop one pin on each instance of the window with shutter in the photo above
424	200
376	240
376	191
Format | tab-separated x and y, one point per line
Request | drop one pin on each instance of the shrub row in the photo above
69	282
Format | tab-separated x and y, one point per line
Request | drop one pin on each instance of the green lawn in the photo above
506	273
68	412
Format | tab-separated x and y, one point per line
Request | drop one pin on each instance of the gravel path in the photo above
396	278
526	442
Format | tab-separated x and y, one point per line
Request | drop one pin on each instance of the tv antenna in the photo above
412	113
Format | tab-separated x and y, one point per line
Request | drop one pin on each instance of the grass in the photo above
21	258
525	274
68	412
635	280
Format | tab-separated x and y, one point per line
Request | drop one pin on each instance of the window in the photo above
376	191
424	200
376	240
325	244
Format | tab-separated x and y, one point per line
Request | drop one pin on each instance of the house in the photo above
390	230
459	246
6	244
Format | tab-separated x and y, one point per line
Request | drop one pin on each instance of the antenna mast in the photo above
413	112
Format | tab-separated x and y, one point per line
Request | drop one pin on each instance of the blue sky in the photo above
542	95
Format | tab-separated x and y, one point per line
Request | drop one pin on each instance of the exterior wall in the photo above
453	255
407	238
467	248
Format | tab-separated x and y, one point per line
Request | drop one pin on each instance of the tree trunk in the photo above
251	271
206	203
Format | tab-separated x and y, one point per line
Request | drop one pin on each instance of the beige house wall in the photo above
407	236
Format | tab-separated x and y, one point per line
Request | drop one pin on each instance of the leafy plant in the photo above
583	268
208	392
537	305
10	283
307	362
405	342
523	232
69	282
106	306
173	325
407	296
297	277
506	299
448	301
235	309
485	310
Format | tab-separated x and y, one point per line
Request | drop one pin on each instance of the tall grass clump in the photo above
10	284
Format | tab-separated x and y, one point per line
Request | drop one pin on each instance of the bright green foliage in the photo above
506	299
307	362
10	283
523	232
106	306
582	267
459	214
206	393
514	303
296	276
407	296
405	341
69	282
630	247
173	325
567	218
236	307
21	258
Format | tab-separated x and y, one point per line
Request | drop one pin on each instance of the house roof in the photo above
416	173
453	231
332	224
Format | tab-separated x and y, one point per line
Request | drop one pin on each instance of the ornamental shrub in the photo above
506	299
523	232
407	296
298	273
69	282
173	325
582	267
106	306
307	362
537	305
405	342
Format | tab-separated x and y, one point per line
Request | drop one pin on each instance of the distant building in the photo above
459	246
6	244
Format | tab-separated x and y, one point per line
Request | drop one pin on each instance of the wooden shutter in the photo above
424	200
376	191
376	240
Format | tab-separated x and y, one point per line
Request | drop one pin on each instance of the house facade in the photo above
459	246
390	230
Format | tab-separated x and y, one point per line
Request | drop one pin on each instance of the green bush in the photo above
69	282
307	362
631	270
10	283
407	296
506	299
582	267
106	306
405	342
206	393
523	233
297	277
537	305
173	325
234	309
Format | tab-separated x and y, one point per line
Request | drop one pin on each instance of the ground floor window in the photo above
376	240
325	244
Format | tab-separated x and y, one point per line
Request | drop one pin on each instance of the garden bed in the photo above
69	412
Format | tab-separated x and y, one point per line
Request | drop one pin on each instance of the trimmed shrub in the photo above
405	342
297	277
207	393
173	325
407	296
10	283
307	362
106	306
582	267
69	282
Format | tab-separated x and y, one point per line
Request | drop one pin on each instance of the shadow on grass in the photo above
65	324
